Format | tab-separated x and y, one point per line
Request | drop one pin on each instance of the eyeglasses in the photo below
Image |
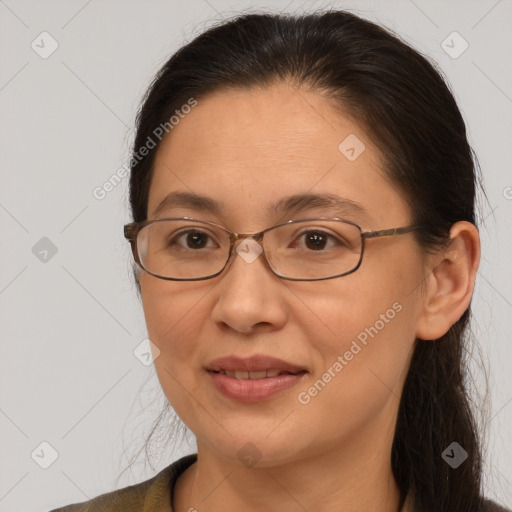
187	249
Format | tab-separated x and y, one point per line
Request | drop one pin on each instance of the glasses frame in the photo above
132	230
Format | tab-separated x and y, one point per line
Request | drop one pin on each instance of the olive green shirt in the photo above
155	494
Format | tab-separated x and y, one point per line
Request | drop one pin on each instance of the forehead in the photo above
249	148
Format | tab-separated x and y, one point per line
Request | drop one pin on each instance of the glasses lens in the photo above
314	249
182	249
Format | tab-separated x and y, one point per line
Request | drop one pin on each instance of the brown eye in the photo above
191	239
317	240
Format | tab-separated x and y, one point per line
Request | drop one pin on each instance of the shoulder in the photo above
151	495
491	506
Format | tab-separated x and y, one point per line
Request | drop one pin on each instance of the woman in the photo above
302	192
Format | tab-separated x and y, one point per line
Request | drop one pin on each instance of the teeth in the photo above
252	375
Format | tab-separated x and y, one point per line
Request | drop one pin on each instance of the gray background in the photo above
70	321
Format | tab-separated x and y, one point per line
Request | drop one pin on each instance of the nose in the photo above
249	295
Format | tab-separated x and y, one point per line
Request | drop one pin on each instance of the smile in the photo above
264	374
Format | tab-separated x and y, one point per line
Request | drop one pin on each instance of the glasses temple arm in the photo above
390	232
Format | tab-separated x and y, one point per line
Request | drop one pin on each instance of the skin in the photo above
245	149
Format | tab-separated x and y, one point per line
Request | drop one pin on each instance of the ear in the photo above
450	282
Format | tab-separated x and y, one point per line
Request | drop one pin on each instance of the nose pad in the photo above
249	249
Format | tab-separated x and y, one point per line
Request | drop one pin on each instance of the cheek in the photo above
168	307
363	361
364	336
174	318
365	333
362	307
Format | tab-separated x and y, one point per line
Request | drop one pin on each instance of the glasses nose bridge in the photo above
258	237
233	237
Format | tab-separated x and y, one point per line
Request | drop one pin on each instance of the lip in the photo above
249	390
253	390
254	363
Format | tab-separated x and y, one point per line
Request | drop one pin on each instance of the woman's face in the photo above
246	149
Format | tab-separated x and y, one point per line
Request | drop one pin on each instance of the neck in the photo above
356	477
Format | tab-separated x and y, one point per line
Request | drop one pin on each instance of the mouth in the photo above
255	378
263	374
255	364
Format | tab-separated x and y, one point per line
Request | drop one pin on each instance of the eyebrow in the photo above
288	205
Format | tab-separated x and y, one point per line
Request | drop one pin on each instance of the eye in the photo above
191	239
317	240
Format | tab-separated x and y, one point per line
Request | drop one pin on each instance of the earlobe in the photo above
450	282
